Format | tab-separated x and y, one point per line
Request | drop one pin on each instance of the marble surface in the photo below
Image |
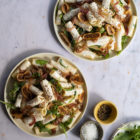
26	28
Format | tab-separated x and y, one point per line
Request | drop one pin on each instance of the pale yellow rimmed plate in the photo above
100	59
9	84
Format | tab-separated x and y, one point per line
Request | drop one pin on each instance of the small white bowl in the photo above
69	49
99	128
9	84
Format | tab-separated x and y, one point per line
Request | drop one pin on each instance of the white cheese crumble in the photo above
89	132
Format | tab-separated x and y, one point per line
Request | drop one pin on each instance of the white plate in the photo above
124	126
69	49
9	84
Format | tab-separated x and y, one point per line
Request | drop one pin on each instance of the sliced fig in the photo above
92	36
110	30
82	17
65	8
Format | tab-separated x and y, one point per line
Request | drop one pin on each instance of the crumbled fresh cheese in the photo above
65	118
89	132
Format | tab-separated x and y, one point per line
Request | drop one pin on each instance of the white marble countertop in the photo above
26	28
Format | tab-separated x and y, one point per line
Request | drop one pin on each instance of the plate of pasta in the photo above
45	95
95	29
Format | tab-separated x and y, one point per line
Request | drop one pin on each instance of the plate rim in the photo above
37	55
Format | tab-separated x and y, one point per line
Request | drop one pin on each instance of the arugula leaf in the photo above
121	4
107	56
99	46
57	102
36	75
61	15
54	109
63	128
64	125
13	93
42	127
70	89
56	10
80	30
73	43
119	52
124	40
73	97
95	29
9	105
102	30
58	87
41	62
129	134
60	61
68	122
62	20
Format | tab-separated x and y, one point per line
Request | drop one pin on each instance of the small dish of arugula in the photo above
95	30
129	131
45	95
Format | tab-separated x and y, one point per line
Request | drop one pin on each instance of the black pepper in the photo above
104	112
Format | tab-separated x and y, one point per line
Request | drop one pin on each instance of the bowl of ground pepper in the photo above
105	112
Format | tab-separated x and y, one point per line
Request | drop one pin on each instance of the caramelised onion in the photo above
92	36
80	47
81	17
110	30
65	39
76	79
25	91
65	8
21	77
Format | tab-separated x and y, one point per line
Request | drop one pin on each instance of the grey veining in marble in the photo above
26	28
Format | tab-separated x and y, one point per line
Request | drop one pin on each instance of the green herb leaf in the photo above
73	43
119	52
107	56
59	103
9	105
63	21
102	30
80	30
70	89
42	127
58	87
129	134
68	122
95	29
99	46
124	40
63	128
41	62
73	97
121	4
36	75
13	93
61	15
54	108
60	61
56	10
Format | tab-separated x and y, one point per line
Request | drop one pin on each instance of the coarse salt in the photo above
89	132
